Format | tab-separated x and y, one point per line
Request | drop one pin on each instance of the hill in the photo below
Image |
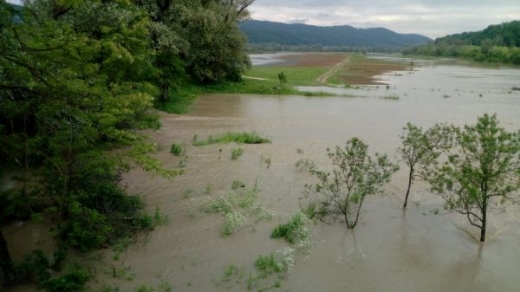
265	32
505	34
495	44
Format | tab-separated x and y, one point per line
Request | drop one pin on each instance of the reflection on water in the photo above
391	250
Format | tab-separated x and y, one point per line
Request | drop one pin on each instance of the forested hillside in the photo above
496	43
271	34
77	80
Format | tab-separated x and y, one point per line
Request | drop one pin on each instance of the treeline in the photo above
275	47
77	80
497	43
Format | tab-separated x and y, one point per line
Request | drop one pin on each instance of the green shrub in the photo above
36	268
73	281
176	149
87	229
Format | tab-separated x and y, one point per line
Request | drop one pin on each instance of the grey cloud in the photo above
433	18
299	20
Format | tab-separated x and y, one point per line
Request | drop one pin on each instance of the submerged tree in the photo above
481	172
420	150
355	175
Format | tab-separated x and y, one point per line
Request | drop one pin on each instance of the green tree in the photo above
217	53
76	80
355	175
195	41
481	172
420	149
282	78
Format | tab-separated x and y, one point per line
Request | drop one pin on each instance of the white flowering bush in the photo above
237	209
286	258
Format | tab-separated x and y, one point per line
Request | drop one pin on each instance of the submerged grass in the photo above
295	231
238	207
236	153
391	97
229	137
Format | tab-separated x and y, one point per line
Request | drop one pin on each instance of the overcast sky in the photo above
433	18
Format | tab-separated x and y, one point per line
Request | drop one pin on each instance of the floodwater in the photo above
390	249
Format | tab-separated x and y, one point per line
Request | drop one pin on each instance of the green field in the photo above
296	76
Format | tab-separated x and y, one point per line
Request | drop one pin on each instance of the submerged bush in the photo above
99	217
72	281
36	267
176	149
268	265
237	207
295	231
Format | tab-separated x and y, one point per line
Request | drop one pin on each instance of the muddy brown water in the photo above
390	250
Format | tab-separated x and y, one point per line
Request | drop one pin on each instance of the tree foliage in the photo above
195	41
354	176
481	172
420	149
78	79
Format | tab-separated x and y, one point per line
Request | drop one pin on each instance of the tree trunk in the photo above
483	229
410	178
345	214
6	264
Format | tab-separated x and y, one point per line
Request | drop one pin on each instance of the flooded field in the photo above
390	249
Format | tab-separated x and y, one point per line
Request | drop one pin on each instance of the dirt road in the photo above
325	76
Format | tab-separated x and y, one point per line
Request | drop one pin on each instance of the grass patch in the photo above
236	153
229	137
296	76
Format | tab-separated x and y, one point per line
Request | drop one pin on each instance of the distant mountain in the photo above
264	32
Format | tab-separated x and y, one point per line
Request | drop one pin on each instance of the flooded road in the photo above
390	250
